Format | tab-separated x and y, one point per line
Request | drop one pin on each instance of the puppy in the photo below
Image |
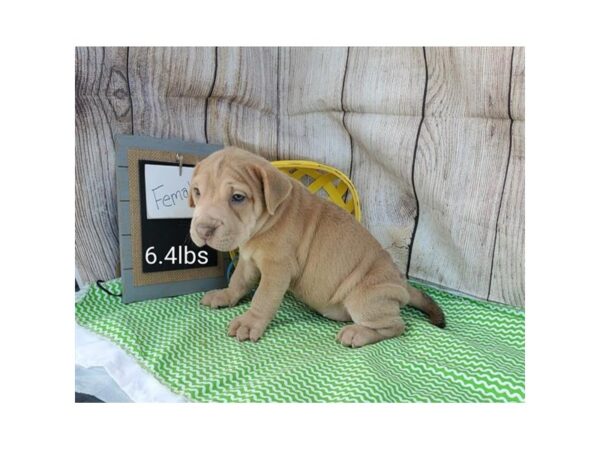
291	239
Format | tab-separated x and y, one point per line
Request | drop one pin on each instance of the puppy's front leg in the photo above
243	279
265	303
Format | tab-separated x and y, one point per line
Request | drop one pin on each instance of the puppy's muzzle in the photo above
205	232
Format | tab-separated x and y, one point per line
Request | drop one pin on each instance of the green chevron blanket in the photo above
479	357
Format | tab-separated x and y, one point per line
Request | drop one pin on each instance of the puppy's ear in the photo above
276	186
191	201
191	189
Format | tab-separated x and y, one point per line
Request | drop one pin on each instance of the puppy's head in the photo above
233	193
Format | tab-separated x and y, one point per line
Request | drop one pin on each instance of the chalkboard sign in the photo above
158	257
165	219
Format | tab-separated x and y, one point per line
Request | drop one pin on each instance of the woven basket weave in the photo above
323	178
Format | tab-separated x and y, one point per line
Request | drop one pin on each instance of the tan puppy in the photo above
294	240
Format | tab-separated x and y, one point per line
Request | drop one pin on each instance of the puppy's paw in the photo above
356	336
247	326
218	298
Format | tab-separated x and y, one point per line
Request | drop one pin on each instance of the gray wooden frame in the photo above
131	291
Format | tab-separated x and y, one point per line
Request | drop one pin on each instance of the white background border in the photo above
561	232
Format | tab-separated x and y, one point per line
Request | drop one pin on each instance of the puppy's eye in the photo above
196	191
238	198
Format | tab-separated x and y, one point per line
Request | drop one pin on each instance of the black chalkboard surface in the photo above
158	257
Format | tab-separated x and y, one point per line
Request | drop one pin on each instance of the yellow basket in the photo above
321	177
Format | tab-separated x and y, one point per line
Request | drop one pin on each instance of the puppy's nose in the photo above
205	231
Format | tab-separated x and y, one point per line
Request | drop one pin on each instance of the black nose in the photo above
205	231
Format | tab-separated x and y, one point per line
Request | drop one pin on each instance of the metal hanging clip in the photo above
179	159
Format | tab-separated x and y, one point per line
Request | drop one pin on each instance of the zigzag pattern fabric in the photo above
479	357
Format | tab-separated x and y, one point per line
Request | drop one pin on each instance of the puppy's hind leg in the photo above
374	319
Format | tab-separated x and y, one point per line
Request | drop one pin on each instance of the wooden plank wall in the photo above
102	109
433	138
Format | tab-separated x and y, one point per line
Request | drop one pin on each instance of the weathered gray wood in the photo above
460	166
102	109
517	101
169	90
383	102
242	110
310	106
508	284
385	81
468	82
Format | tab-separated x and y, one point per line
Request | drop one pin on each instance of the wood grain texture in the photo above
460	166
310	106
383	102
384	81
517	101
169	90
508	277
507	282
468	82
102	109
242	110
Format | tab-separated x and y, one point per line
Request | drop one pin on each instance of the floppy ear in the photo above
191	189
276	186
191	201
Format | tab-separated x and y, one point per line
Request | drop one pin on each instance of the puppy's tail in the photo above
425	303
408	295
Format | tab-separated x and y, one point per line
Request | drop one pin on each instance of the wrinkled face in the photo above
232	199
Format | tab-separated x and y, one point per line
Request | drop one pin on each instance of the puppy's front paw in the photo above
218	298
247	326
